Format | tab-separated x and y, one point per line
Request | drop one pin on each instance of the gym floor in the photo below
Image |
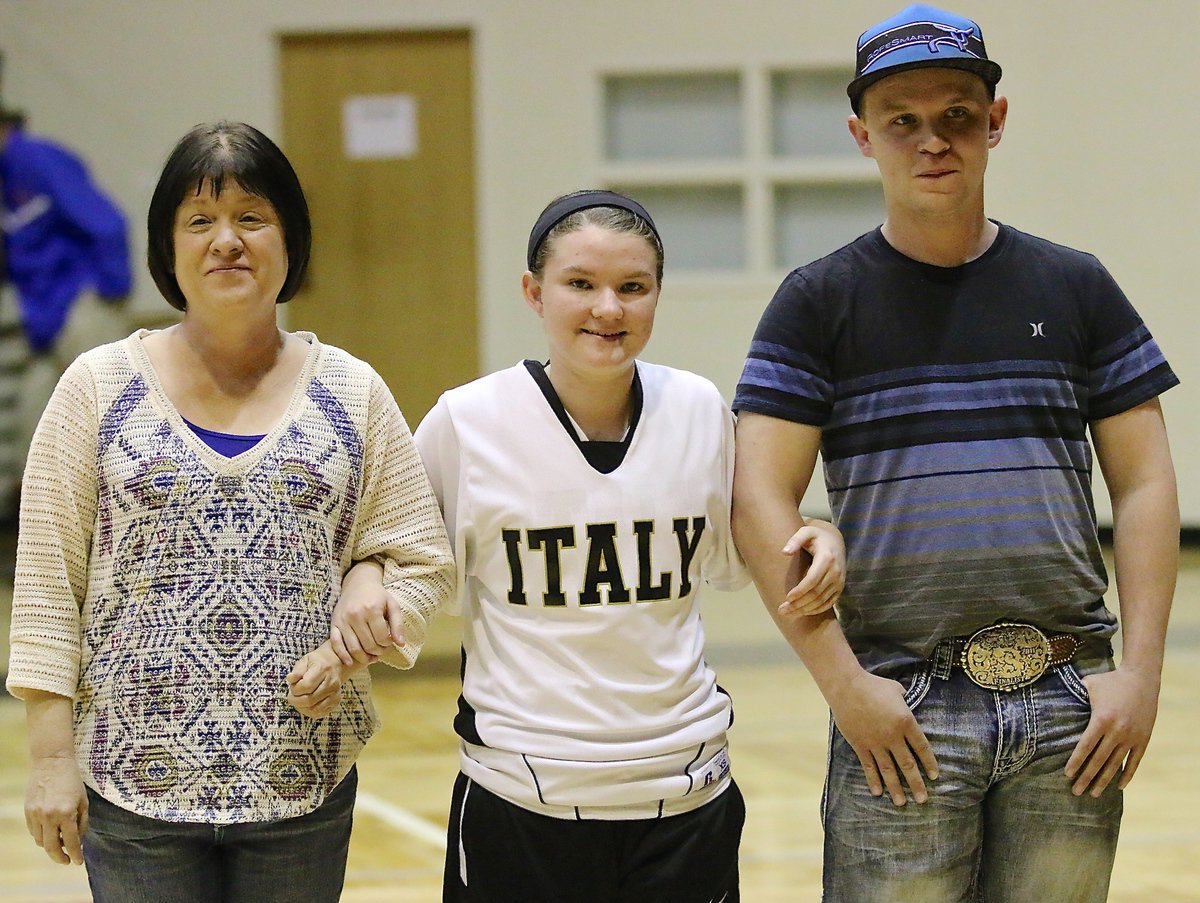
778	751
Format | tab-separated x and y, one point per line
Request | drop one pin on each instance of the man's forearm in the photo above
761	527
775	462
1146	552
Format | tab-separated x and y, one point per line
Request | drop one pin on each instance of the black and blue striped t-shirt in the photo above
954	405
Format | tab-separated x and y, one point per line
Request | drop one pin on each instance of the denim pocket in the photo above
1074	683
918	686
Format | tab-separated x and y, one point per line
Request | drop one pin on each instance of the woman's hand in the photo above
55	800
366	622
315	682
56	808
821	542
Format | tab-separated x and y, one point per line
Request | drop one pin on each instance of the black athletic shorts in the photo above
512	855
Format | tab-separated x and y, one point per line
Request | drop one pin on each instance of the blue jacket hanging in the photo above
62	235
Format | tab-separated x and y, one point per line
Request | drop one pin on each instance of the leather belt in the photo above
1009	656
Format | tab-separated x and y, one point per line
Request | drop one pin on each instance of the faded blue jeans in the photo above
134	859
1001	824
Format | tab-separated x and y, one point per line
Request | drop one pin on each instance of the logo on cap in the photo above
961	39
958	37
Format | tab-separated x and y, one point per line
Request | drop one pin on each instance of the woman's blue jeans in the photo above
134	859
1001	824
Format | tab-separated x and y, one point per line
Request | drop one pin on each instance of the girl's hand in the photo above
821	542
366	622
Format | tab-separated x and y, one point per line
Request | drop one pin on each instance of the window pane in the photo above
663	117
813	220
808	114
702	226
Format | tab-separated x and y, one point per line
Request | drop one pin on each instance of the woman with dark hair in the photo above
193	499
588	499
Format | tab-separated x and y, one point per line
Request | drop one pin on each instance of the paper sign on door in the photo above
379	126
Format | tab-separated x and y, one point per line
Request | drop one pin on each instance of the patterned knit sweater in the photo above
168	590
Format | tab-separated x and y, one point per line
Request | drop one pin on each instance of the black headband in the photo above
573	203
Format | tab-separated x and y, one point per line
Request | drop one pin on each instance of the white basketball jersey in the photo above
584	680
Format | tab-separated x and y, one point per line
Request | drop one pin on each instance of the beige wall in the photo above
1098	153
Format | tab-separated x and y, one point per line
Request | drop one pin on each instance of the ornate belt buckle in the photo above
1006	656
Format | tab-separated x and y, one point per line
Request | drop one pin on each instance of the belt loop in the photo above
943	659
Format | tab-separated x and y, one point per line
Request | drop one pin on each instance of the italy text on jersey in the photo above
548	547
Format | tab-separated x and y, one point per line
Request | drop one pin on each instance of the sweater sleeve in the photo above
399	523
58	511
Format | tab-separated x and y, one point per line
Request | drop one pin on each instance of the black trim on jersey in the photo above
688	769
533	774
726	694
604	457
464	721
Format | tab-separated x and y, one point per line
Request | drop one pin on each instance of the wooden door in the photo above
392	278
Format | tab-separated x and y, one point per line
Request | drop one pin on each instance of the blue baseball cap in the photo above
916	37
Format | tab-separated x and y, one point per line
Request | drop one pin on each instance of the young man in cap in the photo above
948	368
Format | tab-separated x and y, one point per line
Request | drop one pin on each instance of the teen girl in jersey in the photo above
587	499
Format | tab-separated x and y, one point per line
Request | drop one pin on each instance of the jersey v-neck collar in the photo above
604	457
